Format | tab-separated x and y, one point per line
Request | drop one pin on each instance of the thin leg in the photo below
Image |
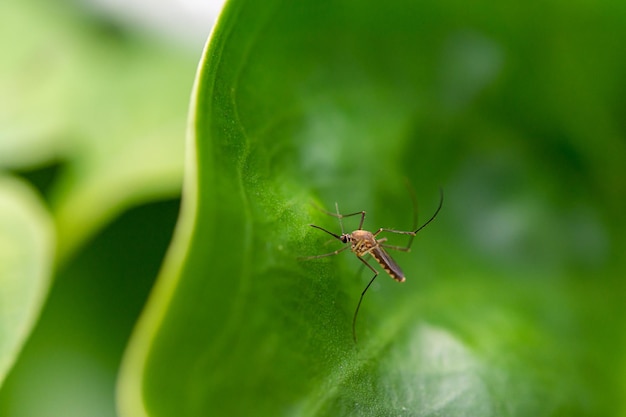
412	234
406	248
326	254
362	220
358	306
341	216
400	248
436	211
400	232
338	215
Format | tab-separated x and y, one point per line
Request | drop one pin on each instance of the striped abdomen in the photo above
389	265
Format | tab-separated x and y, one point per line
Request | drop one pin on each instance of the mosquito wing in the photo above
389	265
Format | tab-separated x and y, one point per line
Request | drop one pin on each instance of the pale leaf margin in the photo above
27	251
131	376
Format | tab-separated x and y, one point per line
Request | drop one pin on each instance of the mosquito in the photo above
363	242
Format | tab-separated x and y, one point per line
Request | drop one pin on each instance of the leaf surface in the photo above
300	102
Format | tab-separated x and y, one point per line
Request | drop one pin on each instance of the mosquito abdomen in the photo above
388	264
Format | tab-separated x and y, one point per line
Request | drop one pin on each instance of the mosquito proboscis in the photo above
363	242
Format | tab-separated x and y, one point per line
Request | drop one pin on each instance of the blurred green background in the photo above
517	111
93	106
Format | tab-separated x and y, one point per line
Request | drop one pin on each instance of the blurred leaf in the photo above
107	102
298	101
70	361
26	261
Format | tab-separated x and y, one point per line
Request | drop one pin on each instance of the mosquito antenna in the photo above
324	230
358	306
436	211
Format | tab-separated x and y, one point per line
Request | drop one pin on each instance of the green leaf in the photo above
300	102
26	261
107	103
71	358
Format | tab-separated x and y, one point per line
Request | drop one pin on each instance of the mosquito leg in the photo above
428	221
406	248
362	213
326	254
324	211
400	248
362	219
341	216
436	212
338	215
400	232
358	306
412	233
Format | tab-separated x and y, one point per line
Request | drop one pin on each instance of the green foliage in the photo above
512	304
26	257
106	103
296	102
92	115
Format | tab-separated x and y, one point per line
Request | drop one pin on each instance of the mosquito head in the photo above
346	238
